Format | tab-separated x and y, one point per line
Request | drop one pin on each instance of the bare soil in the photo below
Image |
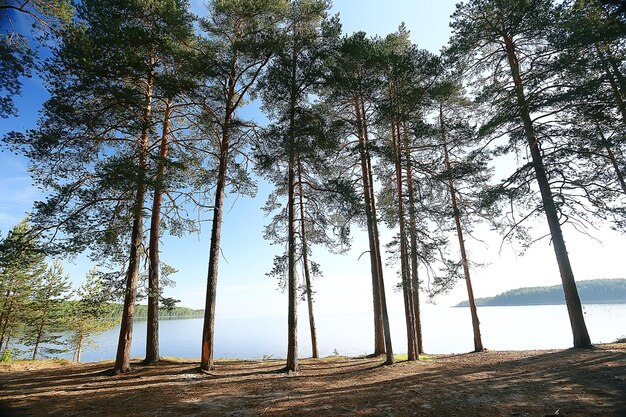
523	383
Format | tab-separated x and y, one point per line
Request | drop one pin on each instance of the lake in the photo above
445	330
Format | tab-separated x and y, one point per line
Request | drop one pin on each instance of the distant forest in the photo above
596	291
141	312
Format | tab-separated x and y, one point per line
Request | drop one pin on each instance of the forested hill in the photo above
141	312
597	291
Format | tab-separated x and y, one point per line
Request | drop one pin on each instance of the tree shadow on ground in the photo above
574	382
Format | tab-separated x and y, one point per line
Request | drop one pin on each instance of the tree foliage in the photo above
89	315
18	55
47	316
21	267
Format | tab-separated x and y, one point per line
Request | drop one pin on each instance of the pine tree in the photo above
106	91
486	32
593	97
21	269
462	168
177	78
407	72
48	312
294	147
242	35
350	91
89	315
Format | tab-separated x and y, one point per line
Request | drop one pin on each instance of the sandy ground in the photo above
527	383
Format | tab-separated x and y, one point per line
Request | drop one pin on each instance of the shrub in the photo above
6	356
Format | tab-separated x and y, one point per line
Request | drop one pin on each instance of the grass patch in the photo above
334	358
53	361
405	357
29	364
175	359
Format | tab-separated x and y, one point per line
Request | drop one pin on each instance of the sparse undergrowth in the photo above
577	382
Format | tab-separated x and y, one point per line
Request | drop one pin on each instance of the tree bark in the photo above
79	348
38	341
478	343
369	192
6	343
617	95
152	332
618	172
404	267
206	361
379	336
292	290
232	102
305	262
572	299
6	317
413	242
606	143
122	359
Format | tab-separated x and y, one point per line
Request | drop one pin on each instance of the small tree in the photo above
89	315
48	312
21	267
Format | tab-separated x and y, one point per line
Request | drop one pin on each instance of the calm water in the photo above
445	329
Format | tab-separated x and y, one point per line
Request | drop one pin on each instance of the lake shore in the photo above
572	382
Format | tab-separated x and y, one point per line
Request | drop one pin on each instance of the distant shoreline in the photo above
596	291
465	305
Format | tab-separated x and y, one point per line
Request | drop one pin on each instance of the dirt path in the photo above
530	383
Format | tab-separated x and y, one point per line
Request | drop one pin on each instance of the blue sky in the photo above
243	288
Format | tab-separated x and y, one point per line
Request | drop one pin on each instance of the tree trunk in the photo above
232	102
404	267
6	317
6	343
617	96
305	262
38	341
478	343
609	63
152	331
292	290
616	167
122	359
79	348
379	337
621	81
5	312
42	324
389	360
206	362
414	247
292	279
572	300
606	143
